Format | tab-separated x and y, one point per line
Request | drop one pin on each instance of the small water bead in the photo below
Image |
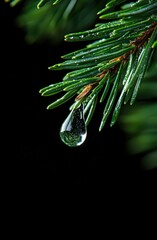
73	131
71	38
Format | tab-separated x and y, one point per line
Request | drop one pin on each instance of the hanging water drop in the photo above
73	131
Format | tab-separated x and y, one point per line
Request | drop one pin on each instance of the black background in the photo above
33	152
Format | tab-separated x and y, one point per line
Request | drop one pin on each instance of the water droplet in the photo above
73	131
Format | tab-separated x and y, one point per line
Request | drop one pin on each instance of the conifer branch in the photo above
111	67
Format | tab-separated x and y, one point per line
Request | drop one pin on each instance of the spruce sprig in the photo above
111	67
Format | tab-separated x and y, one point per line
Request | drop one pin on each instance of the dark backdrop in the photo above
33	152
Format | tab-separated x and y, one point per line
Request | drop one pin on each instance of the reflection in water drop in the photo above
73	131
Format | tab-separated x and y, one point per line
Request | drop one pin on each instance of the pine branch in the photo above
111	67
